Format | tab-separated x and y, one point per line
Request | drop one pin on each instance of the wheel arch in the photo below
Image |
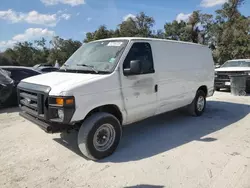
204	89
108	108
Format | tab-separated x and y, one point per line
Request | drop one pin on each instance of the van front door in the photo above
140	90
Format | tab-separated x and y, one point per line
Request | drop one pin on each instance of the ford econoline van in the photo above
109	83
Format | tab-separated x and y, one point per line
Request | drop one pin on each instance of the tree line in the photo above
227	33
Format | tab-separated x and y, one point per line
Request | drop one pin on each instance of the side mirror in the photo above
217	66
135	68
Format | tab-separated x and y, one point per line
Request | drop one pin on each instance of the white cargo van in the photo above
113	82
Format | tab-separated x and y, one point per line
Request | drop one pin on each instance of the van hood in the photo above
231	69
61	81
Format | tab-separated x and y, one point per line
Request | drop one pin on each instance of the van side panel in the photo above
181	69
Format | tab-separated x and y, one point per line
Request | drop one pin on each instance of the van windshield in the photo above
236	64
96	57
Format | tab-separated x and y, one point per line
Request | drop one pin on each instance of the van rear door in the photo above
140	90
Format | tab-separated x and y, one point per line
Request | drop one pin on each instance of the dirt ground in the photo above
171	150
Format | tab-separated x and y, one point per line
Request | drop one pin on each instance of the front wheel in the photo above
197	107
99	136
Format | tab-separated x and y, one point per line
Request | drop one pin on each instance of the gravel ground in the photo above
171	150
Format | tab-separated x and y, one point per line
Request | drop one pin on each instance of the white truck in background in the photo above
109	83
230	68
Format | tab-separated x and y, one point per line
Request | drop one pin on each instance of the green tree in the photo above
5	60
195	29
232	39
140	26
101	33
22	53
176	31
41	53
158	34
62	49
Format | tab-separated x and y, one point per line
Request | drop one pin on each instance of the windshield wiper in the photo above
91	67
64	67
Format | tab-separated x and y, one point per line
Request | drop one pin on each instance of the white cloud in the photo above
33	17
212	3
29	34
32	33
10	15
65	16
183	17
125	18
78	14
89	19
68	2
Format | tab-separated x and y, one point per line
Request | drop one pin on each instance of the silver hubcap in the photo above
104	137
200	103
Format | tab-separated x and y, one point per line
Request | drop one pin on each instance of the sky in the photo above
28	20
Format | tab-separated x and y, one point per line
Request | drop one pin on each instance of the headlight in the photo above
61	109
60	114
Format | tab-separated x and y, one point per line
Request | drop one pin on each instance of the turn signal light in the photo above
63	101
69	101
59	101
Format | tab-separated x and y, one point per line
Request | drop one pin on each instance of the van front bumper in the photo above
37	106
49	127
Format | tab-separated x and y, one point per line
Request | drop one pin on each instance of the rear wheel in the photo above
99	136
197	107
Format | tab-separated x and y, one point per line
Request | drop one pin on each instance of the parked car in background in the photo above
231	67
43	65
6	86
122	81
17	73
46	69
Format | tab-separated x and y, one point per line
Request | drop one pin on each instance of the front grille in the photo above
33	99
232	72
32	102
225	74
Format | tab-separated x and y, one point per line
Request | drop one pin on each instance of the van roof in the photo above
150	39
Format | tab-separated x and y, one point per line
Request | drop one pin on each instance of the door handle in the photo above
156	88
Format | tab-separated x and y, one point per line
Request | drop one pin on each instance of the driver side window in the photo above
141	51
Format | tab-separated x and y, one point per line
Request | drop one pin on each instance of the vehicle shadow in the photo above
69	140
167	131
9	110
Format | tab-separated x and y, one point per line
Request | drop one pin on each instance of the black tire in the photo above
87	133
193	107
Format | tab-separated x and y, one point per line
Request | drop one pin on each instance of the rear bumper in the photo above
48	127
